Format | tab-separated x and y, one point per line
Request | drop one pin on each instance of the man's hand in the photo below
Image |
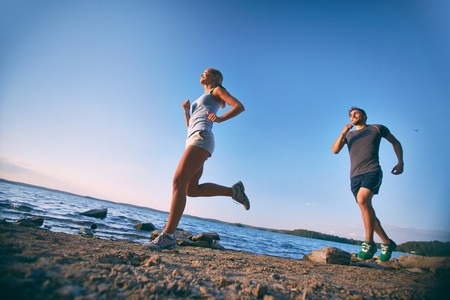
347	128
340	142
397	170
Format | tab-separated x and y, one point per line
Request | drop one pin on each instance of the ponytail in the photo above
219	83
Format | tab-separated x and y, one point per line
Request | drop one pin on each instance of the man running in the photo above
366	175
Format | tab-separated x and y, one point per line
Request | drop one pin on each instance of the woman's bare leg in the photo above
194	189
190	164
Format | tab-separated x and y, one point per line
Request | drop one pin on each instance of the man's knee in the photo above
364	197
364	203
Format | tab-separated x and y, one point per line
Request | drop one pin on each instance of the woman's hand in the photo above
186	105
214	118
236	105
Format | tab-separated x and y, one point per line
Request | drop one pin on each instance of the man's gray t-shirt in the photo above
363	146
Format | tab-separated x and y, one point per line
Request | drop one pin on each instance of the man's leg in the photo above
364	199
380	232
371	222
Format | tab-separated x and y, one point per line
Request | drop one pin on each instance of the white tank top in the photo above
199	113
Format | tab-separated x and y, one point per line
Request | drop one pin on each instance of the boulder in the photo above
217	246
423	262
209	237
99	213
372	265
86	231
145	226
329	255
186	243
202	244
185	238
31	222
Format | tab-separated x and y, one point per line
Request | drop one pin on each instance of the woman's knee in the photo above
192	191
178	183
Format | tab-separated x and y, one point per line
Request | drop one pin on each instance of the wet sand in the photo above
39	264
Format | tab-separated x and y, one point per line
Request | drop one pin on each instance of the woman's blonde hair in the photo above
219	76
218	82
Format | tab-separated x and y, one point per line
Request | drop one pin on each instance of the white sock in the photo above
171	235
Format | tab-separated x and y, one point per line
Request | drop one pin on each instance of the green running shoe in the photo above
368	250
386	250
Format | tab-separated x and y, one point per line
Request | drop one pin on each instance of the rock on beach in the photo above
329	255
421	262
39	264
203	240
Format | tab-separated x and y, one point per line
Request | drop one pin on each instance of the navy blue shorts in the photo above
370	180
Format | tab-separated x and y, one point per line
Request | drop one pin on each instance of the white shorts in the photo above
202	139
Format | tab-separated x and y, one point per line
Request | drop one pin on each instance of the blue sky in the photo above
91	93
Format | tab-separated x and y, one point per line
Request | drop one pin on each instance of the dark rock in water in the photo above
99	213
207	237
145	226
21	208
31	222
93	226
329	255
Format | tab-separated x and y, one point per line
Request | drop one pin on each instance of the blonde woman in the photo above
200	116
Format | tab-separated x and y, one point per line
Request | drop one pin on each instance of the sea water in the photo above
61	213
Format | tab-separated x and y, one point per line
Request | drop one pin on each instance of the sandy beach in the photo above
39	264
